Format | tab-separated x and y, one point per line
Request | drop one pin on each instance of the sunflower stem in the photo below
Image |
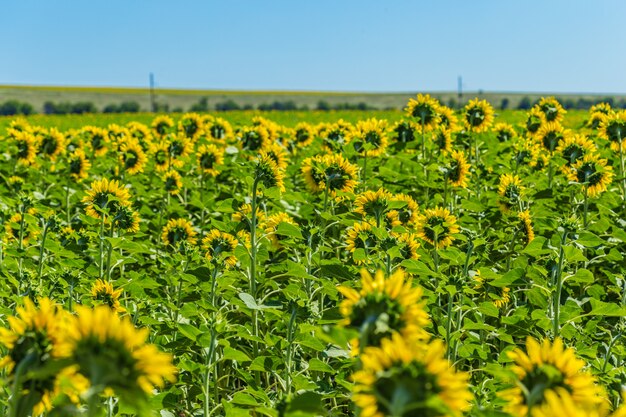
109	252
288	355
42	247
585	204
252	272
101	257
449	325
207	376
621	166
556	302
67	201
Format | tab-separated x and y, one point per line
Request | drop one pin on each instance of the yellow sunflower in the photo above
172	181
373	204
106	197
26	148
371	133
559	402
504	132
613	129
178	148
332	169
361	236
535	119
447	119
270	225
603	108
162	125
78	165
191	125
220	247
268	173
406	245
500	296
243	214
405	210
478	116
160	154
382	307
126	219
526	226
437	226
544	367
254	138
178	232
141	133
51	144
113	355
210	157
510	190
132	157
408	378
279	154
303	135
97	139
104	293
550	135
552	109
457	172
596	120
336	135
443	140
573	148
425	111
218	129
593	173
405	131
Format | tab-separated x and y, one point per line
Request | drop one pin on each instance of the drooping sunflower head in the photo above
457	171
243	215
210	158
401	246
373	204
593	173
361	237
437	226
178	232
279	154
596	120
178	148
78	165
545	367
603	108
443	140
370	137
268	173
552	109
534	120
51	143
126	219
191	125
271	128
112	354
332	170
384	306
406	378
613	129
405	131
526	226
425	112
478	115
103	292
25	147
405	209
106	197
172	182
336	135
162	125
220	247
510	190
550	135
132	157
270	226
504	132
574	147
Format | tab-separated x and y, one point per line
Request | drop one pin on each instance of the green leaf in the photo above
287	229
308	402
582	275
189	331
235	355
601	308
317	365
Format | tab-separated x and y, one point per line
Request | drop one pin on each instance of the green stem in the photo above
101	263
109	252
41	250
585	205
556	302
67	201
207	375
288	358
449	325
252	272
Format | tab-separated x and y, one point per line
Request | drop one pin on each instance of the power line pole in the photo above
152	102
460	88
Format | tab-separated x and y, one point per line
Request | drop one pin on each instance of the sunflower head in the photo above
425	112
331	170
160	154
162	125
596	120
103	292
552	109
268	173
78	165
613	129
404	377
191	125
141	133
443	140
447	119
126	219
534	120
499	297
510	190
405	131
172	182
405	208
373	204
370	137
105	198
593	173
25	147
526	226
270	226
437	226
254	138
97	139
504	132
219	247
550	135
361	237
132	156
575	147
303	135
210	158
178	232
51	144
457	171
478	116
336	135
218	129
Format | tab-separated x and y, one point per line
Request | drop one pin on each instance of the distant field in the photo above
183	99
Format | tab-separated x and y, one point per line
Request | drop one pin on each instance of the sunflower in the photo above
73	141
112	354
552	109
220	247
404	209
596	120
437	227
117	135
270	127
603	108
404	131
242	215
132	157
218	129
51	144
13	225
191	126
373	204
500	296
336	135
406	245
425	111
162	125
209	158
361	236
103	292
278	154
526	226
540	160
613	129
126	219
178	232
106	197
26	148
478	115
178	147
253	138
97	139
303	135
15	182
332	170
160	154
534	120
504	132
443	140
559	402
371	133
573	148
78	165
457	172
593	173
33	342
550	135
510	189
270	226
383	307
141	133
447	118
267	172
545	367
173	182
526	150
403	377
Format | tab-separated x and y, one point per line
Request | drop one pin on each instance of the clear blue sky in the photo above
343	45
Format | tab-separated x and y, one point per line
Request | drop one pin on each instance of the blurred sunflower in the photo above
499	296
596	120
592	173
332	170
97	139
370	133
178	147
218	129
478	116
603	108
160	154
242	215
210	157
178	232
382	307
534	120
141	133
162	125
510	189
504	132
51	144
106	197
103	292
126	219
559	402
373	204
270	226
266	172
425	111
191	126
172	182
303	135
552	109
253	138
404	210
447	119
405	378
550	135
437	226
132	157
405	131
78	165
220	247
443	140
26	148
544	367
613	129
405	244
278	154
361	236
526	226
573	148
336	135
457	172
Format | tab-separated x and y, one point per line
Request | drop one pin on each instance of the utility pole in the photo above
460	88
152	102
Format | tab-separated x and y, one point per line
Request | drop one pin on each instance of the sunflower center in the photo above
551	140
302	135
207	160
540	379
436	229
573	153
23	149
97	142
252	140
161	157
76	166
176	148
377	315
177	235
533	124
405	133
587	174
218	131
49	145
424	112
475	116
616	131
550	111
335	177
130	159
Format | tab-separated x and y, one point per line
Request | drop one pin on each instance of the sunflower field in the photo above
430	263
